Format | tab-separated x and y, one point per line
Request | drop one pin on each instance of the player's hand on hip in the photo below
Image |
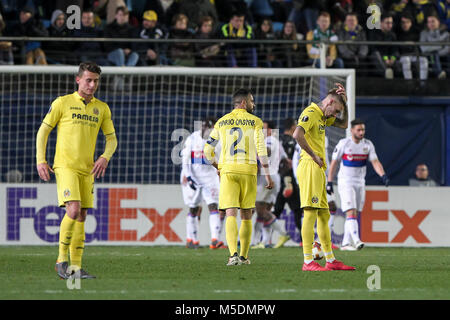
269	182
43	169
330	190
100	167
318	160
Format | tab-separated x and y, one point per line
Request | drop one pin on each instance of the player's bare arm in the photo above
299	136
265	167
342	121
378	167
41	144
332	170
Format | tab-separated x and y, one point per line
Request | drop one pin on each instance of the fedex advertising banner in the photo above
156	215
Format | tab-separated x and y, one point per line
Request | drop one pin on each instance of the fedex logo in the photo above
410	223
112	222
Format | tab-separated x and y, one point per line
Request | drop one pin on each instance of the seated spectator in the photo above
89	50
121	53
6	55
226	8
239	55
206	54
421	10
181	53
305	14
383	57
421	177
195	10
436	54
323	32
354	56
29	27
410	55
150	52
290	55
339	10
57	52
107	9
266	56
165	9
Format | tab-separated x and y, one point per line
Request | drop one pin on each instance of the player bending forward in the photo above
199	182
354	152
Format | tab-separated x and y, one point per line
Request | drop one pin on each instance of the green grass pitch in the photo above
177	273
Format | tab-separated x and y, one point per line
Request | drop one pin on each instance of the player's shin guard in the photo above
77	244
309	219
245	236
214	224
65	237
231	230
324	234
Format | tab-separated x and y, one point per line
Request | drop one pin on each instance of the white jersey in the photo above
194	161
354	158
277	153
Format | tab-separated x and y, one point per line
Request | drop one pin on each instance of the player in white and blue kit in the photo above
353	152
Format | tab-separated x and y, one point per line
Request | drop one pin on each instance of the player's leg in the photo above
215	225
309	219
295	206
348	205
360	199
192	226
248	187
259	224
323	231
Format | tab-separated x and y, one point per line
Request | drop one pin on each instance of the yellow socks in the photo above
309	219
77	244
323	231
65	237
245	236
231	230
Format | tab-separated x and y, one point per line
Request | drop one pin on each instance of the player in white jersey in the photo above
199	182
353	152
266	221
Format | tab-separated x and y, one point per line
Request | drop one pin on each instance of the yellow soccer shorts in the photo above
74	186
237	191
312	183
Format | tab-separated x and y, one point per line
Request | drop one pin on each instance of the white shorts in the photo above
331	197
193	198
352	196
268	195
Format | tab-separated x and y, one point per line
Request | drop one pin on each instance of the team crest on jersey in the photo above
365	149
96	112
315	199
305	119
66	193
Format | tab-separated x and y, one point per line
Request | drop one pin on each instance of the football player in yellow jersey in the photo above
79	117
310	135
242	140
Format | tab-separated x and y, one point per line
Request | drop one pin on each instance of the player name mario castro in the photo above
225	309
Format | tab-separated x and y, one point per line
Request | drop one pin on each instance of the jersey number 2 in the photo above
234	150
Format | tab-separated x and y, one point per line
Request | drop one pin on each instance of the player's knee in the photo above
194	211
351	214
332	206
73	209
212	207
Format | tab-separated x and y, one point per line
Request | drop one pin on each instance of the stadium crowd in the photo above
397	20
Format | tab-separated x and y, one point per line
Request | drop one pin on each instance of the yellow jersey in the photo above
242	141
313	121
78	125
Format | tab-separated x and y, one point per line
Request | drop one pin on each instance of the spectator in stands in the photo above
239	55
6	55
89	50
195	10
121	53
151	53
339	10
421	177
354	56
165	9
305	14
206	54
226	8
437	54
410	55
323	32
265	51
384	57
443	9
56	51
181	53
29	27
290	55
108	9
422	9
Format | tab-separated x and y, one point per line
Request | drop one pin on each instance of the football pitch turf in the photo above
177	273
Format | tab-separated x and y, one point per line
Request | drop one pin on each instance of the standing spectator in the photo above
339	10
108	9
290	55
150	52
421	177
226	8
384	57
411	54
436	53
266	56
239	55
323	32
305	14
56	51
121	53
354	56
92	50
195	10
422	10
206	54
443	9
6	55
165	9
181	53
29	27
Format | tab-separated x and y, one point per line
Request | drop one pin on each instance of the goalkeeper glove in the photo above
330	190
385	180
191	183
